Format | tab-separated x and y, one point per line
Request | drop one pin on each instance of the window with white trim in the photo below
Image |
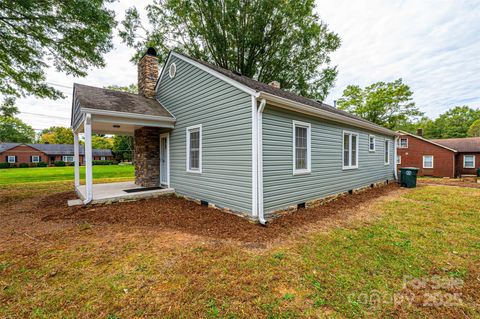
387	152
301	147
468	161
102	158
194	149
172	70
67	158
35	159
399	159
11	159
427	161
371	143
350	150
403	142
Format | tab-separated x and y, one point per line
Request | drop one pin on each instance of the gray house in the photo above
221	138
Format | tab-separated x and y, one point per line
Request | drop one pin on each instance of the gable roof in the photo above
428	141
465	144
259	88
56	149
96	98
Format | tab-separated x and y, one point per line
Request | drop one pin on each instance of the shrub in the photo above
23	165
70	163
33	164
4	165
98	162
59	163
41	164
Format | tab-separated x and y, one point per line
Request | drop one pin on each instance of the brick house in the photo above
17	153
438	157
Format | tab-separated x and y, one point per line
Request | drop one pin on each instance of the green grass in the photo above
50	174
428	231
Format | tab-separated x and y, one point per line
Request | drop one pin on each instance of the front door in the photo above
164	159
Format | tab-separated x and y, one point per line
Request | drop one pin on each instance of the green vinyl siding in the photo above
196	97
282	188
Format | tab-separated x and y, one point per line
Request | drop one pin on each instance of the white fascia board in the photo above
128	115
426	140
216	74
314	111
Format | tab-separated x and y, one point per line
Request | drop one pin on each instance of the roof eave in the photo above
428	141
310	110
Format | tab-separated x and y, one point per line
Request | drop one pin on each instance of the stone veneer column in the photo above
147	156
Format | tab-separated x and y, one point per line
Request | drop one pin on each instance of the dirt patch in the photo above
448	182
180	215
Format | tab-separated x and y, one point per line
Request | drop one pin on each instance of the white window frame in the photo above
464	161
423	165
308	126
387	146
399	159
35	159
374	143
64	158
191	128
10	161
400	142
103	158
172	70
350	166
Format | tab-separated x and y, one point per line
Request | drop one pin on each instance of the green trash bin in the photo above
478	172
408	177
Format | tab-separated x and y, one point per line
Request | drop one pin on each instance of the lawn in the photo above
46	174
409	253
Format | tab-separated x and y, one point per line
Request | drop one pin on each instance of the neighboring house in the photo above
439	157
224	139
17	153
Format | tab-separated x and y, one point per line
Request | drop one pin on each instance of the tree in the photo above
123	147
71	35
101	142
386	104
453	123
474	130
132	88
12	129
56	135
265	40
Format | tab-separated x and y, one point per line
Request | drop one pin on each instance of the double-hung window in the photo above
387	152
469	161
35	159
102	158
68	158
350	150
11	159
194	149
301	148
371	143
403	142
427	161
399	160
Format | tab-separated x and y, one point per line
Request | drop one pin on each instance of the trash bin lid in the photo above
409	168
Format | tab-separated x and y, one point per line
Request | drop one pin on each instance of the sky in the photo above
434	46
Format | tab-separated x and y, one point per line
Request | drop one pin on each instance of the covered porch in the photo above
101	111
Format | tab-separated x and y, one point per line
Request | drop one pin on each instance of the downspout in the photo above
395	173
261	217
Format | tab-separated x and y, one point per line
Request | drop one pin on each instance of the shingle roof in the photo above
464	145
104	99
263	87
56	149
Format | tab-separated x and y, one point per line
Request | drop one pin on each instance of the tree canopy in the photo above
70	35
12	129
265	40
102	142
474	130
56	135
131	88
387	104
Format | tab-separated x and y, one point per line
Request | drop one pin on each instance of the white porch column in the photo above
76	154
88	158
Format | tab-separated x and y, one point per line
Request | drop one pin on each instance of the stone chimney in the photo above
148	73
275	84
420	131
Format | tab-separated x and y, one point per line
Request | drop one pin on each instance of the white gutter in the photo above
315	111
395	155
260	212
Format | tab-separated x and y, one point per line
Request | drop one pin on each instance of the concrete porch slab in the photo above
115	192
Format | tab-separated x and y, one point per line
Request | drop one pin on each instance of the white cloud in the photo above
433	45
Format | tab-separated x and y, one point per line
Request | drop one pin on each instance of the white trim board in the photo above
350	134
187	148
308	126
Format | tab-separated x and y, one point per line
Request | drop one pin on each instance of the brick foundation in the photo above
147	156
